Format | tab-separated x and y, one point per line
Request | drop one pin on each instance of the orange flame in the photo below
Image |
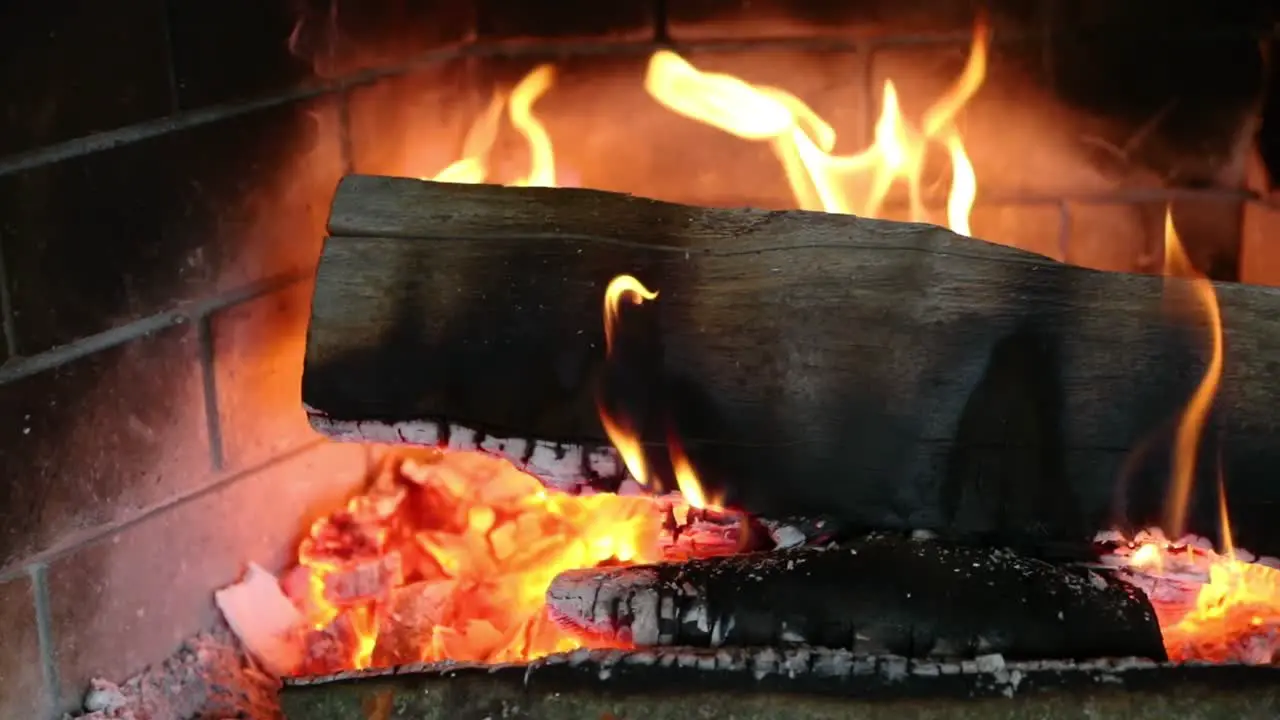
686	479
1236	597
1177	264
477	538
804	142
619	431
473	166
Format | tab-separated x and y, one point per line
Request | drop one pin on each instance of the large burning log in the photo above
881	594
883	374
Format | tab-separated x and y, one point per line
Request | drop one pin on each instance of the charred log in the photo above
799	684
886	375
883	594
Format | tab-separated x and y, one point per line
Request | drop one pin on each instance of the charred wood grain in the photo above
886	375
882	594
799	684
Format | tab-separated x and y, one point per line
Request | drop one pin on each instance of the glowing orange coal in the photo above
450	554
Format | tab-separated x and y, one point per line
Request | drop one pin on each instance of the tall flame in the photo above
804	142
618	429
473	166
1191	425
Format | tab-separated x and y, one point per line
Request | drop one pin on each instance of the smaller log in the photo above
882	594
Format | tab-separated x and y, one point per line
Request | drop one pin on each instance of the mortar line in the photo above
208	355
44	633
7	321
75	541
20	367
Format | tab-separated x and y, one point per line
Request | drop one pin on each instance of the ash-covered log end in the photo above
907	596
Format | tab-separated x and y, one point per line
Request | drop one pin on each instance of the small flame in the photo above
686	479
622	287
473	166
804	142
618	429
1191	425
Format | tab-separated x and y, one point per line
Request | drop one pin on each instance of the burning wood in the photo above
973	399
448	556
883	594
1222	607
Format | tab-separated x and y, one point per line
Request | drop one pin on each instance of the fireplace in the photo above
167	171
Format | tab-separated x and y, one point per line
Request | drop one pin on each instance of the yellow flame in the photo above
804	142
686	479
542	161
473	167
1190	426
622	287
619	431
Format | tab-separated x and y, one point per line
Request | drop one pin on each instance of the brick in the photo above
126	601
559	19
258	353
1121	237
226	51
1175	81
413	125
79	67
1261	246
103	239
708	19
21	675
100	439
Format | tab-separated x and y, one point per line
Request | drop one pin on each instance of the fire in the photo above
475	542
1177	264
448	556
618	429
858	183
473	166
1233	613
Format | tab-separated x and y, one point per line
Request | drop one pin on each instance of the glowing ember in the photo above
1221	607
479	537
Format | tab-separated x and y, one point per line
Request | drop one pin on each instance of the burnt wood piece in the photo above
881	594
793	684
882	374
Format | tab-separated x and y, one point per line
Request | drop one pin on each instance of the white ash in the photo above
209	676
563	466
626	605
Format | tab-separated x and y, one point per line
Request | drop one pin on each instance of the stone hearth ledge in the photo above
799	683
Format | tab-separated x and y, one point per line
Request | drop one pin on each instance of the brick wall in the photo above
165	169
